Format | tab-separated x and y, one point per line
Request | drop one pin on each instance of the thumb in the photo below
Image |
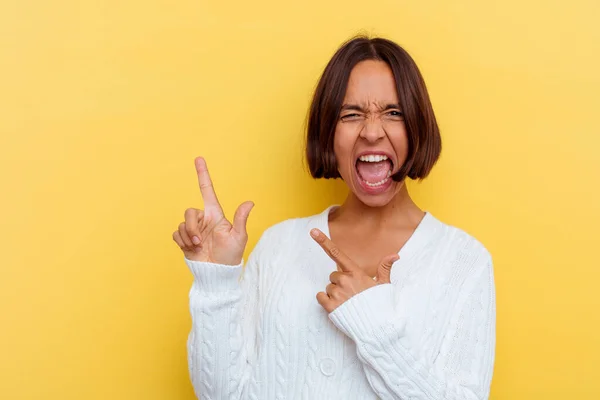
241	217
385	268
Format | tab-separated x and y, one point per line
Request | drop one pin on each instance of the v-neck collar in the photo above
425	230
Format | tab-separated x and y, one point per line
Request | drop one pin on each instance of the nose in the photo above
372	130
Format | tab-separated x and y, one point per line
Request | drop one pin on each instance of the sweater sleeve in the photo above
222	342
397	369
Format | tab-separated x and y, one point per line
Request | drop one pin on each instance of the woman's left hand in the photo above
351	280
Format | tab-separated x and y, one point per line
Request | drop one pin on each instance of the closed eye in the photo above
395	114
349	117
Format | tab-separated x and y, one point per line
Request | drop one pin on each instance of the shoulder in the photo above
465	255
460	239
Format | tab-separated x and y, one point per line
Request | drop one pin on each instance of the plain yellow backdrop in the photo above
105	104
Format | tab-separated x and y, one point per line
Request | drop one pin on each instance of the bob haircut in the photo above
424	141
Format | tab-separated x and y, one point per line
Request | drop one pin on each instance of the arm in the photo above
397	370
221	344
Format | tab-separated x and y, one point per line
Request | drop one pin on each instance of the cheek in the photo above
343	144
398	137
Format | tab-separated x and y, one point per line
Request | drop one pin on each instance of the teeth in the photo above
381	182
373	158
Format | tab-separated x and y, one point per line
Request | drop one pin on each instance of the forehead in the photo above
371	81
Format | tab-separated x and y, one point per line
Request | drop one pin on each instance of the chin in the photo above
375	202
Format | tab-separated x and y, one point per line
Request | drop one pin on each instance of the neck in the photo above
400	211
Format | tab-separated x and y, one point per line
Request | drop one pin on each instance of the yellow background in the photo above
104	104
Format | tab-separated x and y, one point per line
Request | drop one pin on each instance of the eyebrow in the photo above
355	107
347	107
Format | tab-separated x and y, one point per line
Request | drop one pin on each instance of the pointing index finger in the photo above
205	183
334	252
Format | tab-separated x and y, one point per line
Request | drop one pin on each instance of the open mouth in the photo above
374	170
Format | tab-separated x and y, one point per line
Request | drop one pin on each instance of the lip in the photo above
373	190
362	184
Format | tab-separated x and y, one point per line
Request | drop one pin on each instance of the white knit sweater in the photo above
430	334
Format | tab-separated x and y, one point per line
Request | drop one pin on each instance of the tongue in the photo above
373	172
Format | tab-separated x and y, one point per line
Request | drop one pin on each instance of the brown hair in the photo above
424	141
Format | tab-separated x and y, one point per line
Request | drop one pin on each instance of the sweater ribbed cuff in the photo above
210	277
369	314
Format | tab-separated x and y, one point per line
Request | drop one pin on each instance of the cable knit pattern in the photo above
280	361
428	335
312	349
348	378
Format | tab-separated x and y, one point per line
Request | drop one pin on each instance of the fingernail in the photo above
314	233
196	240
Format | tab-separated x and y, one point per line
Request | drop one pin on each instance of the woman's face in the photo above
370	142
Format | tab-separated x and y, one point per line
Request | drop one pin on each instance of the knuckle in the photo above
181	226
335	252
332	289
190	226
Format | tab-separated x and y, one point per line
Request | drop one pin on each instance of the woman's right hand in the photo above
206	235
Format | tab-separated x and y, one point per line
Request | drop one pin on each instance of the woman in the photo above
405	305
